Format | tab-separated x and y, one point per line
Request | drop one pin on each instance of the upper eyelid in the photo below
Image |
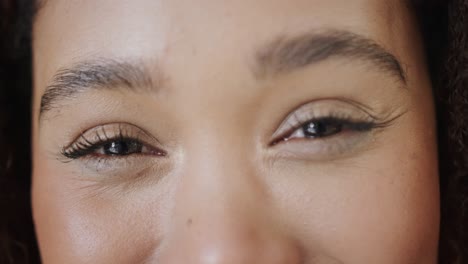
84	132
330	112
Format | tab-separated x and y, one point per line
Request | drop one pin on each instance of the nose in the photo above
233	242
223	214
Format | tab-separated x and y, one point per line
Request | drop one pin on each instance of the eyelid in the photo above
341	109
98	135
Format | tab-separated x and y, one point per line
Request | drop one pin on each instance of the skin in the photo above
225	190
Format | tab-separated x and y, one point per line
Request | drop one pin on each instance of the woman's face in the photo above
267	131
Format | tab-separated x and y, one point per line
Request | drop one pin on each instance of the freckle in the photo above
189	222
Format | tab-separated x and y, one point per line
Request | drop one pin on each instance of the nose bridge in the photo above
221	214
218	183
219	165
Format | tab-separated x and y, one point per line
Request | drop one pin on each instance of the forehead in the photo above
159	29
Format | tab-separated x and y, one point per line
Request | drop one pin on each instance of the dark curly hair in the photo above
444	24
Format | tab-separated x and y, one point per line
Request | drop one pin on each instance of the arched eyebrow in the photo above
282	55
285	54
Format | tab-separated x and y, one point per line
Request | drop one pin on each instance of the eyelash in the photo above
83	147
346	123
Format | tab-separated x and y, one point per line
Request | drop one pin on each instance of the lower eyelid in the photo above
120	166
322	148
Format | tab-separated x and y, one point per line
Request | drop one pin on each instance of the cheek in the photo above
380	207
79	222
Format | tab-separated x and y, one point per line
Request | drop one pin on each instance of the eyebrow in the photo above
97	74
285	54
280	56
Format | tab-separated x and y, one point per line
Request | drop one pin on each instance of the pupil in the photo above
121	148
317	129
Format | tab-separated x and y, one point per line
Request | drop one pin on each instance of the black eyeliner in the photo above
347	124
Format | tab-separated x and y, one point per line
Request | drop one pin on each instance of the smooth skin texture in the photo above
220	150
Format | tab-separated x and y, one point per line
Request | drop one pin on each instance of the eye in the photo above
115	140
325	129
121	147
117	151
319	128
